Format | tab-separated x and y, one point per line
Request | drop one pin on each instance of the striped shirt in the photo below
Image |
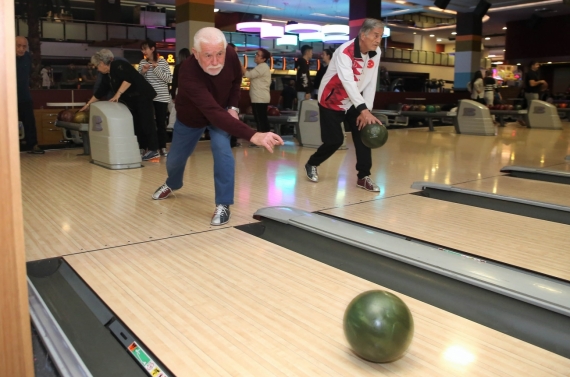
159	78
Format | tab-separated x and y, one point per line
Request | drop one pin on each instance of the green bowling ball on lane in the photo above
374	135
378	326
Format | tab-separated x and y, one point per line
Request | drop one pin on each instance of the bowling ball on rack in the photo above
66	116
273	111
437	108
406	107
518	107
81	117
430	109
378	326
374	135
563	105
415	108
510	107
422	108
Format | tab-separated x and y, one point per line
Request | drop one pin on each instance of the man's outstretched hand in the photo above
267	140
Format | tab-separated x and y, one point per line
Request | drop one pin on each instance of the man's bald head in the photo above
21	45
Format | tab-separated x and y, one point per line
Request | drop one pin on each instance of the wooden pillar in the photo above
15	335
467	48
359	10
191	16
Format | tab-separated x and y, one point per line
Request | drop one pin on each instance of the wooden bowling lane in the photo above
547	192
536	245
73	206
224	303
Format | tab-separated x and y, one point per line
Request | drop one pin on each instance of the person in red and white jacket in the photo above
346	95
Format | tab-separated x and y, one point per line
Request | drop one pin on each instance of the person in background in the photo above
533	82
490	89
47	77
208	95
260	79
233	46
70	75
288	96
183	54
326	56
490	86
233	140
89	74
304	85
25	103
156	71
132	90
476	87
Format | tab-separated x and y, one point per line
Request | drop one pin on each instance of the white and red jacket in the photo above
350	79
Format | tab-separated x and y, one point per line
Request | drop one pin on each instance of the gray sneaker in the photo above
221	215
312	173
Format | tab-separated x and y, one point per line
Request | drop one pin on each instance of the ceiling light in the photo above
335	38
505	28
415	32
497	63
268	19
431	35
311	37
436	9
287	40
518	63
269	7
336	30
251	27
271	32
500	9
400	1
216	10
453	33
302	28
344	18
492	56
439	39
549	63
504	50
487	38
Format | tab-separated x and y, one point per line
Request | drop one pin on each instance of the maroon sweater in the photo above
203	99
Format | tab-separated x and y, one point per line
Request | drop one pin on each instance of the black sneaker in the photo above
221	215
151	155
36	150
312	173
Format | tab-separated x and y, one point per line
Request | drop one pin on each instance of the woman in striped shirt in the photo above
157	72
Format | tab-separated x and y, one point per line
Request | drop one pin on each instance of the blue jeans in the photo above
184	140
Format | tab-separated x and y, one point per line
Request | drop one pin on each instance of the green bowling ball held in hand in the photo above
374	135
378	326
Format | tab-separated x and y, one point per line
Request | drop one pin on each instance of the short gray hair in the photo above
370	24
104	55
209	35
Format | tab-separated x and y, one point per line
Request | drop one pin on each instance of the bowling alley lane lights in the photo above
458	355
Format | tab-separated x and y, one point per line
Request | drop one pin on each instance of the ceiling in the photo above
279	12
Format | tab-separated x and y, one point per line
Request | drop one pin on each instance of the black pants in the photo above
260	115
160	109
26	116
332	136
143	119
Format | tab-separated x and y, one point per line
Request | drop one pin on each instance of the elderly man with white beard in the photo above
208	95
